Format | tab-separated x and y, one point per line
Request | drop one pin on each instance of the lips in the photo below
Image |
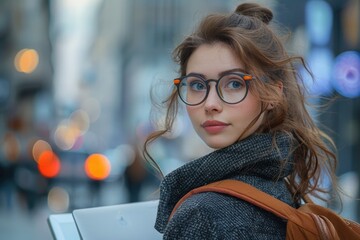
212	123
213	126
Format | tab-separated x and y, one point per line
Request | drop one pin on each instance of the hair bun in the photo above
255	10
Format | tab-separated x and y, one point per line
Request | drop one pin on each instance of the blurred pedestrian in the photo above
135	176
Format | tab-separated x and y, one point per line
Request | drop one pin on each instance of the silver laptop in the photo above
130	221
63	227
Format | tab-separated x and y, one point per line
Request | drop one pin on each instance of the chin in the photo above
217	144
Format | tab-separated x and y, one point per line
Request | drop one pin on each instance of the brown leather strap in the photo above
254	196
326	229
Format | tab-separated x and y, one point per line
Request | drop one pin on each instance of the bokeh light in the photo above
97	166
351	22
39	147
65	136
80	120
26	60
321	61
346	74
58	200
49	164
319	21
69	133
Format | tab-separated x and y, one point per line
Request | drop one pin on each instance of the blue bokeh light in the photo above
346	74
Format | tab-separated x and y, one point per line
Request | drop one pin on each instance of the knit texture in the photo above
211	215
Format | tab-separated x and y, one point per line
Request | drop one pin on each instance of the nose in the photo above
213	103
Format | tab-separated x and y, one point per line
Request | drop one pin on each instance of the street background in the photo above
75	81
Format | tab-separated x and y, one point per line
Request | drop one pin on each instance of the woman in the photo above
245	100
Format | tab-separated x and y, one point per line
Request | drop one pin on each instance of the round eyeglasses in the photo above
232	88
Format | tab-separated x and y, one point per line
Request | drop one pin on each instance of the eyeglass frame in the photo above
246	77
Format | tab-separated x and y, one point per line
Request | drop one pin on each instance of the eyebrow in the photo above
221	73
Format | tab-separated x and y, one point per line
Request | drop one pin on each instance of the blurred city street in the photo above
17	223
76	78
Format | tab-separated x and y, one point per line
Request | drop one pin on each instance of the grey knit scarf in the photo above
255	155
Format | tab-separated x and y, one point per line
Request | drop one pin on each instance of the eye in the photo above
196	84
232	82
235	84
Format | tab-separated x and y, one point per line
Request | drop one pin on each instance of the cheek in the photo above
247	111
191	111
254	113
253	102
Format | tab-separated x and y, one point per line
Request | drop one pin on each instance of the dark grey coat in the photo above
216	216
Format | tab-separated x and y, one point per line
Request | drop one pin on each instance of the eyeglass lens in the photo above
231	88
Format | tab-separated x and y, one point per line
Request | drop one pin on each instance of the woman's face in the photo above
220	124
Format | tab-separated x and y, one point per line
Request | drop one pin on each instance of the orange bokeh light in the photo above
49	164
26	60
97	167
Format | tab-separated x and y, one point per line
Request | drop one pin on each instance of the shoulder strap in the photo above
252	195
245	192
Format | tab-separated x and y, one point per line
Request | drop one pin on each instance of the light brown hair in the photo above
256	43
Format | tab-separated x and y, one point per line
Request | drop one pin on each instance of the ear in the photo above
279	90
